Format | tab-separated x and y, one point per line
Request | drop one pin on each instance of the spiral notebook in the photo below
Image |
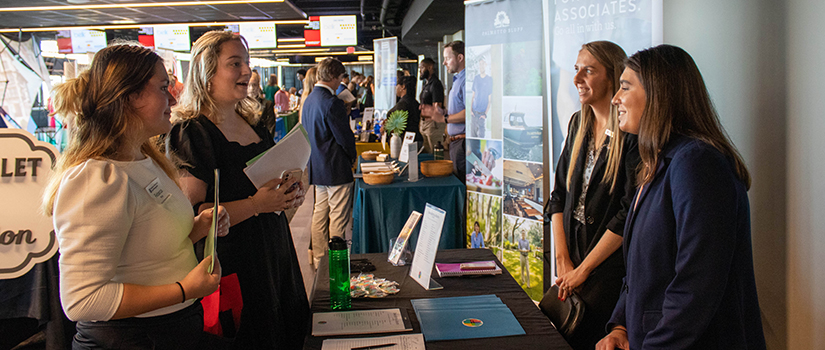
456	270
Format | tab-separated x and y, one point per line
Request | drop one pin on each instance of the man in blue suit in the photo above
333	152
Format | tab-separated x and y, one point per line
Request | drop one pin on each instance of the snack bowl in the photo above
370	155
437	168
379	178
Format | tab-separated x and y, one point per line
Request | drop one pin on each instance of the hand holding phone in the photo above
291	174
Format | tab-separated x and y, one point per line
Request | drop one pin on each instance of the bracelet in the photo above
254	207
182	292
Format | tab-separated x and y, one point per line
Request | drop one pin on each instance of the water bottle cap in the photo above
337	243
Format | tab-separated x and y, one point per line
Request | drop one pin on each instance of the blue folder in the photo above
468	323
478	316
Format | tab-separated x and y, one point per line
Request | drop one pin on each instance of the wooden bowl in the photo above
370	155
436	168
379	178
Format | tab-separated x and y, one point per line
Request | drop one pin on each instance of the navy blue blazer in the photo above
687	246
332	141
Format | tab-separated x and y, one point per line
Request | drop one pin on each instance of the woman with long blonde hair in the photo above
595	179
309	83
128	272
216	127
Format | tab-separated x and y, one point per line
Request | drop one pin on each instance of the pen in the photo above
369	347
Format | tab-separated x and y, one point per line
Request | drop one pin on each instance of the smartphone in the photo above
291	174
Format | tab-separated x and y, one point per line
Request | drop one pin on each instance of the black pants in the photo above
458	156
176	331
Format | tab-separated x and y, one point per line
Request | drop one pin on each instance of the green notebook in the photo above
212	237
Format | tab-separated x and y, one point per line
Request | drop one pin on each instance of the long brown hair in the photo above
611	57
195	99
677	102
96	104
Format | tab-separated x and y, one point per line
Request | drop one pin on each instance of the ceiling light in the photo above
133	5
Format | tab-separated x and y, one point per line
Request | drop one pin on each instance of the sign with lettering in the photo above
26	236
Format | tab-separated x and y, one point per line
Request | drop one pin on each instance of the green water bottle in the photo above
438	151
339	293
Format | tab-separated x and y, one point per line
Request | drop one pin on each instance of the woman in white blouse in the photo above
128	271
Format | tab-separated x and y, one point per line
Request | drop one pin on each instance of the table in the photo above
290	119
380	211
540	334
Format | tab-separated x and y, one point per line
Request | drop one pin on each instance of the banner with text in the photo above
385	67
505	133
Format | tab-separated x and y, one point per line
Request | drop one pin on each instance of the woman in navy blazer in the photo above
687	242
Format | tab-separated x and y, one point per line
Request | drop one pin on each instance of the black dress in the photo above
259	249
603	210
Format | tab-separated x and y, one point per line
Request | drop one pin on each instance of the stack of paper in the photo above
359	322
376	167
291	152
477	316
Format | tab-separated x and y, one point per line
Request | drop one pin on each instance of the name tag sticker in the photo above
157	192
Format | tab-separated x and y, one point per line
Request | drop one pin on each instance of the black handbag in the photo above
565	315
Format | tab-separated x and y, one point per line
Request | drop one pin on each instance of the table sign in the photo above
403	237
27	237
412	162
409	138
425	249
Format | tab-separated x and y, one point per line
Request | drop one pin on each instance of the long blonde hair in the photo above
310	78
97	105
612	57
195	99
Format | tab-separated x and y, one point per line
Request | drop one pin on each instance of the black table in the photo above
540	334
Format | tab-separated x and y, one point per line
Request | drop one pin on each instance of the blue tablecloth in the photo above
380	211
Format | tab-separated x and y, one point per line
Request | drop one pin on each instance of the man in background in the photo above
482	92
432	93
301	74
333	153
454	116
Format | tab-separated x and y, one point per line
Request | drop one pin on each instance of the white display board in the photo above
172	37
259	35
87	40
26	236
339	31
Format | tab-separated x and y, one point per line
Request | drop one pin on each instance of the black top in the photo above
259	249
603	210
409	104
432	92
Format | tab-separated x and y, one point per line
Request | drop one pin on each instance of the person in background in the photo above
524	252
482	94
254	88
405	91
476	237
128	272
216	128
354	83
345	95
333	153
432	93
309	84
301	75
454	115
282	100
175	86
293	98
271	88
594	183
367	98
690	281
